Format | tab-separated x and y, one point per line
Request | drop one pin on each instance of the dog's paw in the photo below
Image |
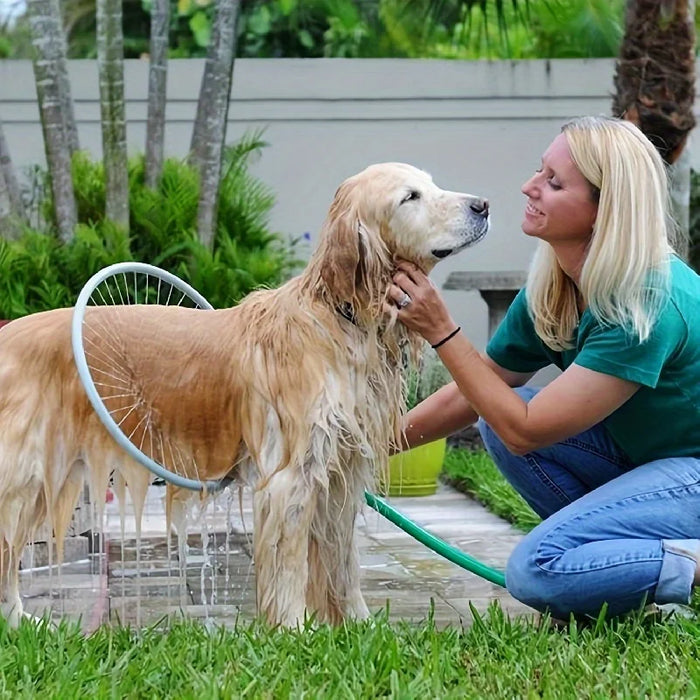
44	621
13	613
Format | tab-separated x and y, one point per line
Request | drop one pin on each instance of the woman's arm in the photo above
575	401
447	410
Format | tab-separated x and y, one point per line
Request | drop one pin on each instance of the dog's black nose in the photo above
480	207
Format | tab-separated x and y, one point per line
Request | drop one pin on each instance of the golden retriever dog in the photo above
296	392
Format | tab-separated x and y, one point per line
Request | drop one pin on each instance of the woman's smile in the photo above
532	210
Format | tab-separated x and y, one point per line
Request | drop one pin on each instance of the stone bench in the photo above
497	289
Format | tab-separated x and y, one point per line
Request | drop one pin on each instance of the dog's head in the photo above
389	211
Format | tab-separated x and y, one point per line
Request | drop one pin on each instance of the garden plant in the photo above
39	272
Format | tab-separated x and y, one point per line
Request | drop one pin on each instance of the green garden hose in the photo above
439	546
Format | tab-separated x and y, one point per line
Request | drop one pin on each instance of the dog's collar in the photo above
345	310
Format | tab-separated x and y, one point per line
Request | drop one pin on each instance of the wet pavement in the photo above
143	585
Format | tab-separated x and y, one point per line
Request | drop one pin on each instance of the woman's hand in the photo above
421	308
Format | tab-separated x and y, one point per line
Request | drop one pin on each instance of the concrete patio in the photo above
398	572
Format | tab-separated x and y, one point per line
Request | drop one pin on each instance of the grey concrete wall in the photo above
478	127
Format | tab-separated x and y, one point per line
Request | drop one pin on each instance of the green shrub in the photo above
38	272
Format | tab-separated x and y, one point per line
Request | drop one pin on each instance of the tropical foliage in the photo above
359	28
426	378
38	271
535	29
362	28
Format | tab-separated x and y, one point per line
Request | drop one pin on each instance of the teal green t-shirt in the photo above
662	419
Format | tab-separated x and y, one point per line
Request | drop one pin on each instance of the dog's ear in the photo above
354	262
340	238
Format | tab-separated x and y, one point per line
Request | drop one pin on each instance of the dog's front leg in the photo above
334	584
349	570
283	511
345	571
10	602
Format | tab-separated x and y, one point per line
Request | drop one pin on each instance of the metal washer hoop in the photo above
81	364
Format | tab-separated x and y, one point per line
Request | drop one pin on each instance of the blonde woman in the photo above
608	453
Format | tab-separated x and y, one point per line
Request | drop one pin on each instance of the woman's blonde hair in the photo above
625	276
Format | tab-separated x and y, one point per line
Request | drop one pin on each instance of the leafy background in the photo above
38	272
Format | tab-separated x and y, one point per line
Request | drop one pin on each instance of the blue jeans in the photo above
612	532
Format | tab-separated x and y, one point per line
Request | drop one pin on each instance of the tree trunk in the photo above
157	78
110	60
66	98
8	219
679	178
199	127
9	178
655	85
46	38
209	133
680	172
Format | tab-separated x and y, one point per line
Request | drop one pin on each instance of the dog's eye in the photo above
412	195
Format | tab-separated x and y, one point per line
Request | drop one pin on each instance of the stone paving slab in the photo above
219	584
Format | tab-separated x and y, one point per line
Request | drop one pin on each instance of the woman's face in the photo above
560	206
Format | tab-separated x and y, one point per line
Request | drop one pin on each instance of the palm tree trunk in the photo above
198	129
8	220
157	77
679	177
9	178
46	38
680	173
66	98
110	59
209	135
655	85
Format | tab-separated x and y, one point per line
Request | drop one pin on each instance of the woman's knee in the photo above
525	580
491	441
533	578
487	435
537	577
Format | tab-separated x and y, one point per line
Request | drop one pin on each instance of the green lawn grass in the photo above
494	658
635	657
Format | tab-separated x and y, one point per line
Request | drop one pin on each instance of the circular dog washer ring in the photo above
119	271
